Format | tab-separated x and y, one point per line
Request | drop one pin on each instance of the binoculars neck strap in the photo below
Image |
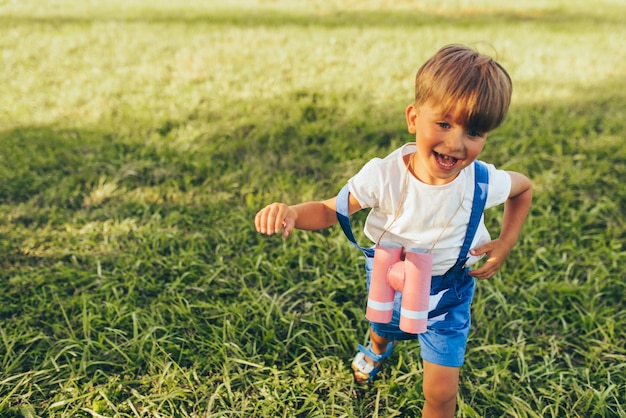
481	186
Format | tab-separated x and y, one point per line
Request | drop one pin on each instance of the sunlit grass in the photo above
139	138
189	61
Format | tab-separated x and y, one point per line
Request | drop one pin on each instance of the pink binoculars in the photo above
411	276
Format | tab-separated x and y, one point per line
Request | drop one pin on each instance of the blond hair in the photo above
474	84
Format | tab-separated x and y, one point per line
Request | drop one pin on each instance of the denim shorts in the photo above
445	339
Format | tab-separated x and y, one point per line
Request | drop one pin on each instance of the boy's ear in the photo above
411	116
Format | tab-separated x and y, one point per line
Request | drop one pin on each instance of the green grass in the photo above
140	138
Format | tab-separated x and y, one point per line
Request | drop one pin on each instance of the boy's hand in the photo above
272	218
496	251
515	211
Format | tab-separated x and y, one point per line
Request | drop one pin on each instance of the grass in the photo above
139	139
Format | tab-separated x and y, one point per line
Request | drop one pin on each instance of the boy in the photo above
421	196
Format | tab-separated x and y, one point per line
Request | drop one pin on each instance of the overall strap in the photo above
344	220
481	187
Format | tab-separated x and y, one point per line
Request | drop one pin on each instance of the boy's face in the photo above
444	146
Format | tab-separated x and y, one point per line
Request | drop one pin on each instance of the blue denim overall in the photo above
451	294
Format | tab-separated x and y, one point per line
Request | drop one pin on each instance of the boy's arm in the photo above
516	209
309	216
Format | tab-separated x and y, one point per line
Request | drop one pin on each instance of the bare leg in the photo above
441	385
379	344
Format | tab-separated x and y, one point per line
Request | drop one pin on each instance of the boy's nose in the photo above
454	141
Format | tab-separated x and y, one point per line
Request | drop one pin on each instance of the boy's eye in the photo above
475	134
444	125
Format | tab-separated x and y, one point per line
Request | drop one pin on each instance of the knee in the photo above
440	394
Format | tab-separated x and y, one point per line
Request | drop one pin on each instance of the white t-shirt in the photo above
425	209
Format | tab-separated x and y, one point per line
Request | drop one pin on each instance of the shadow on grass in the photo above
304	145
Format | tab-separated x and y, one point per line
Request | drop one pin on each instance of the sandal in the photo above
367	364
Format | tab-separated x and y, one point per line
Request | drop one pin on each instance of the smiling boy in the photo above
431	195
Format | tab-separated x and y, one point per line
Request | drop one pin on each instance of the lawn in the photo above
139	138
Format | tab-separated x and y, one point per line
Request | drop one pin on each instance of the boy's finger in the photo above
279	219
288	224
482	249
487	270
481	273
259	221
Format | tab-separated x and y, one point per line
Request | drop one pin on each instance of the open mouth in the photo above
445	161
